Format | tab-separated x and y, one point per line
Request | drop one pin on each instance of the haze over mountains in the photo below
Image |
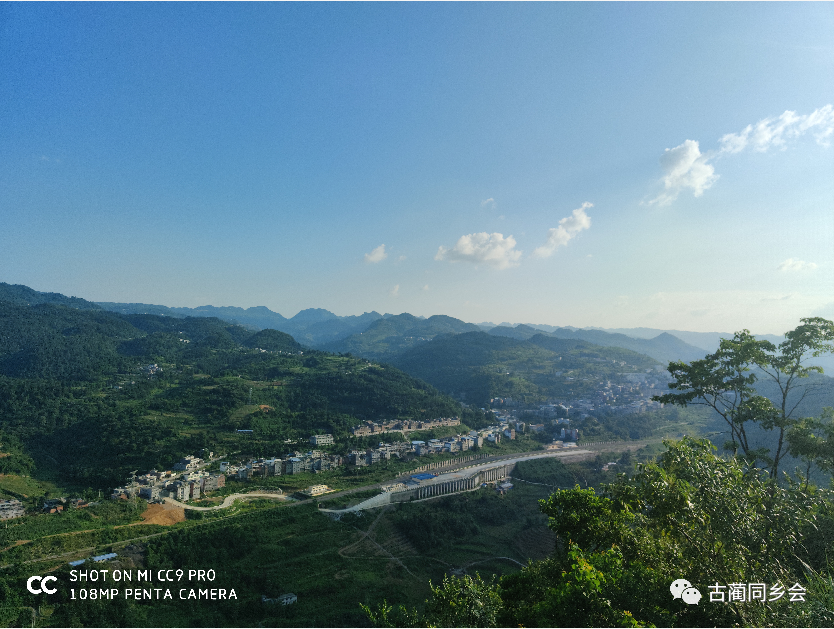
380	336
376	335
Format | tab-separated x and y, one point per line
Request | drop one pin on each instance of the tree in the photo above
692	515
725	381
458	602
813	439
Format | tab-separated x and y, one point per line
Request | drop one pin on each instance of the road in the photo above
449	472
469	470
228	501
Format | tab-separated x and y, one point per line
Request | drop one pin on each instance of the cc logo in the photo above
41	588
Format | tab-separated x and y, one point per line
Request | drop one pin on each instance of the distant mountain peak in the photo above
313	315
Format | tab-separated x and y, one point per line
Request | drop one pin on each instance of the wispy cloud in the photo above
395	292
792	265
686	168
488	204
377	255
482	248
773	132
779	298
568	228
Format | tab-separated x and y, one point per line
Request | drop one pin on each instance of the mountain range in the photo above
379	336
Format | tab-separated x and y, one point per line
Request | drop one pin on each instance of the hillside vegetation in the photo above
139	391
478	366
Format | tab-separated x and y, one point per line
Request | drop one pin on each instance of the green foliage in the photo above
76	377
580	516
13	459
464	602
545	471
586	592
273	341
691	515
428	527
725	381
812	438
457	602
387	336
482	366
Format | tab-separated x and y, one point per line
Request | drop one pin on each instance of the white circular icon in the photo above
691	596
678	587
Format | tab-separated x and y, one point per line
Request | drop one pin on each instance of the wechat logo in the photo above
683	589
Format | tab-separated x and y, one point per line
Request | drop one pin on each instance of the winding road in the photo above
228	501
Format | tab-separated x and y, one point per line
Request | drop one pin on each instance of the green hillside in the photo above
664	347
391	335
478	366
25	296
139	391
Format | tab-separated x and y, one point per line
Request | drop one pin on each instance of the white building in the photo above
321	440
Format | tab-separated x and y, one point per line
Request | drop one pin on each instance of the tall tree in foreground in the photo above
725	381
693	515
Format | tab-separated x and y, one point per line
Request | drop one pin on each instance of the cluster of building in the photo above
151	370
11	509
457	443
294	463
373	428
186	482
632	394
14	508
284	599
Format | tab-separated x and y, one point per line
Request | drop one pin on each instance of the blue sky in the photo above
615	165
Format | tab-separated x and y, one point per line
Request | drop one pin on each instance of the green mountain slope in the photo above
391	335
312	327
477	366
25	296
663	348
139	391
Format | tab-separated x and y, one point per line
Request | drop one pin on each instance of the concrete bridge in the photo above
468	478
443	485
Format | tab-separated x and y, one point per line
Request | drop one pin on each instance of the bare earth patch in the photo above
164	514
19	542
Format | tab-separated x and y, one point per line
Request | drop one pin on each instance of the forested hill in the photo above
664	348
478	366
49	341
313	326
139	391
378	336
391	335
25	296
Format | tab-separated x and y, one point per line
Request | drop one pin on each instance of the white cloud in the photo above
775	131
482	248
686	168
426	287
796	265
488	204
568	228
401	258
395	292
377	255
